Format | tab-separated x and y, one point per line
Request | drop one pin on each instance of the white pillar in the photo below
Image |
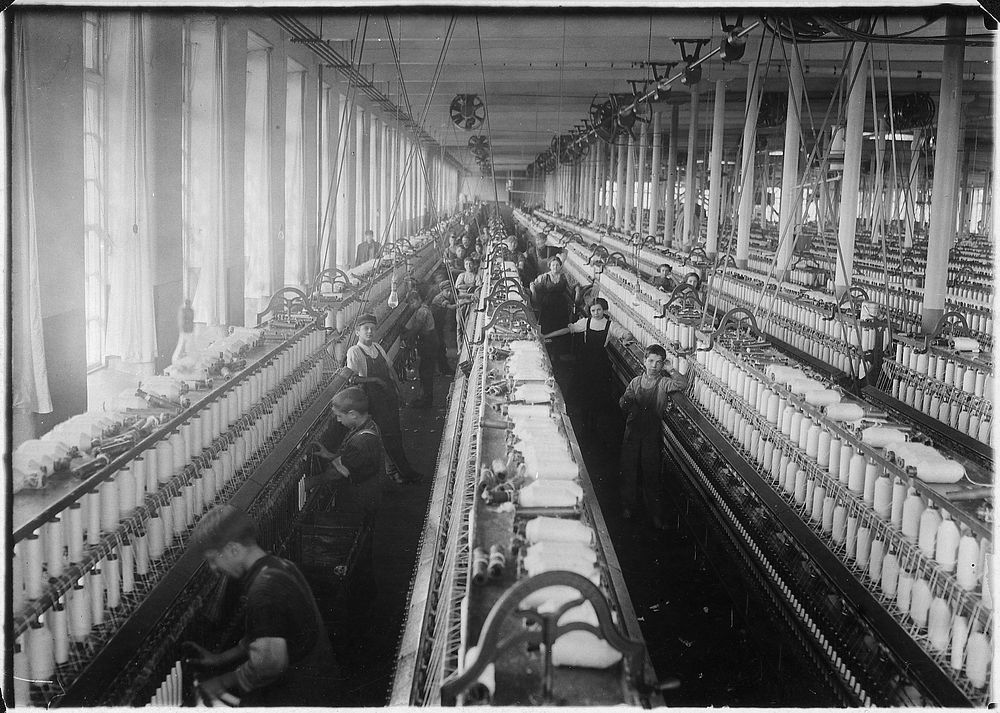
630	185
745	212
669	202
941	232
715	168
690	179
851	181
791	197
622	153
641	179
654	176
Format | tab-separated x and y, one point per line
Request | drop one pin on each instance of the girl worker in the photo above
371	364
643	403
592	378
551	295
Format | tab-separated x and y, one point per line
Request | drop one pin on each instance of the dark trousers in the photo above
440	315
427	350
640	473
386	417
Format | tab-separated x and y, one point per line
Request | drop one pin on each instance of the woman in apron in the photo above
592	376
371	364
550	294
643	403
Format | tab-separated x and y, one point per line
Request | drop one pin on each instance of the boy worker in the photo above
284	657
643	403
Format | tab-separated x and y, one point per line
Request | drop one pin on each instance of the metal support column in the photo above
622	151
630	186
640	203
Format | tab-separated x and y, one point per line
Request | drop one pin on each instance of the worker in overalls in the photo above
645	399
371	364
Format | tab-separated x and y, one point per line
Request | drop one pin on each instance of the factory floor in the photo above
699	620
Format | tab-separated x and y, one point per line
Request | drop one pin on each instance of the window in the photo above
295	248
257	180
203	205
95	222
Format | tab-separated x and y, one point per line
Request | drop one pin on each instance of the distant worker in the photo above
185	324
420	332
284	657
368	249
664	280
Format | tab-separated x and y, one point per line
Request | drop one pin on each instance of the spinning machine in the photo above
518	597
860	512
103	587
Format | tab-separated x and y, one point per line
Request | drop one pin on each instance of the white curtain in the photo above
131	332
295	252
204	190
257	187
30	378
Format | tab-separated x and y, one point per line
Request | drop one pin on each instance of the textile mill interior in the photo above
500	354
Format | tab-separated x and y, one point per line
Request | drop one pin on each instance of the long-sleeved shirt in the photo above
367	250
670	382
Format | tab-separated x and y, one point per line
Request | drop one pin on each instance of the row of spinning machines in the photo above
103	586
850	471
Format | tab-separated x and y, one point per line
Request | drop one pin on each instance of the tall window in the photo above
343	181
327	166
295	249
257	180
203	189
95	223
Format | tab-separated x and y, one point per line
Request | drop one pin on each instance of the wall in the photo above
473	187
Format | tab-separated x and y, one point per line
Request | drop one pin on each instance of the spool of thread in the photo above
871	475
856	473
151	457
969	381
875	560
140	547
978	652
22	675
773	402
802	435
920	602
164	462
949	372
791	468
944	412
57	620
913	509
882	497
199	505
32	558
79	612
127	568
497	562
890	575
847	453
479	566
54	547
155	535
979	387
839	523
178	514
126	493
167	520
812	441
904	590
109	505
851	541
112	579
823	445
95	584
40	655
800	487
967	566
74	532
92	510
946	547
898	499
835	449
959	637
828	508
138	468
195	437
930	519
816	508
959	376
863	546
182	441
939	625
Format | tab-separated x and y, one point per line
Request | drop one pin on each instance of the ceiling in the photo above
540	69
